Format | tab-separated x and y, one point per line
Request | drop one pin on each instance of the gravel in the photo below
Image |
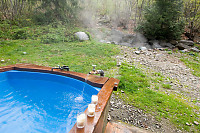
183	83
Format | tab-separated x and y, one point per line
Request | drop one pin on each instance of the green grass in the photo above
78	55
192	62
136	86
166	86
52	46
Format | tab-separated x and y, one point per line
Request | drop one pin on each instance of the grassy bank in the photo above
55	45
192	60
78	55
138	93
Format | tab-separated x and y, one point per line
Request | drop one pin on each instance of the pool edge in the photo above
95	124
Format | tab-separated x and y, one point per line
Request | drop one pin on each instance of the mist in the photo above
101	16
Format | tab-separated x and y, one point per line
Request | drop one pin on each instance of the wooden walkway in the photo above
122	128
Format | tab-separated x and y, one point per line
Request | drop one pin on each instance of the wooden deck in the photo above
122	128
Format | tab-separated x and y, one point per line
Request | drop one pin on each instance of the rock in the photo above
155	44
188	124
24	53
158	126
137	52
138	44
119	64
196	123
122	91
194	49
82	36
114	42
186	50
142	48
108	42
165	44
111	109
174	42
151	42
182	46
2	60
187	42
109	117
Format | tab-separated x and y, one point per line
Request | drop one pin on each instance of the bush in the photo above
56	32
51	38
162	20
20	33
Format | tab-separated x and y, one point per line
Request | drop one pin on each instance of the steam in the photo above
100	16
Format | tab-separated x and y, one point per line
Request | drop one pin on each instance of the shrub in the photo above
163	21
20	34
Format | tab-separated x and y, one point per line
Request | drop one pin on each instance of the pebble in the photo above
196	123
187	124
2	60
109	117
119	64
137	52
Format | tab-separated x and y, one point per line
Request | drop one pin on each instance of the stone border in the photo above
93	124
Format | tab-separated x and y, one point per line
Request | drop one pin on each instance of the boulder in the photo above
155	44
137	52
166	44
182	46
187	42
173	42
142	48
82	36
194	49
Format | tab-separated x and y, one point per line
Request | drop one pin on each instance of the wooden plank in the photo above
95	124
93	80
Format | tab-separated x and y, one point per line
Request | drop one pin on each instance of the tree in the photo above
53	10
192	16
163	20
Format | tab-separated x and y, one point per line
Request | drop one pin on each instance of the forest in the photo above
24	13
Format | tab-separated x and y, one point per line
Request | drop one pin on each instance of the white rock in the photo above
142	48
82	36
137	52
194	49
196	123
2	60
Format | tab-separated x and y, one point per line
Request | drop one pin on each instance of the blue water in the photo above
32	102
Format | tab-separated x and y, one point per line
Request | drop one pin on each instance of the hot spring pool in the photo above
41	102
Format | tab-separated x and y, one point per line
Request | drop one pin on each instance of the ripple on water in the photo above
39	106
